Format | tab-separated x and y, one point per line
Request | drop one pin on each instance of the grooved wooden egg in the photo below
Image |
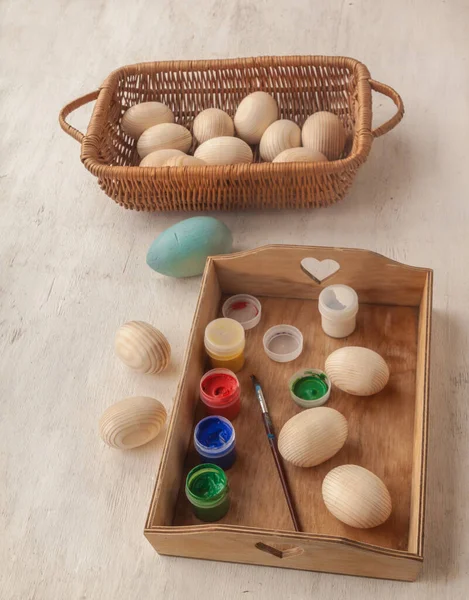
300	155
210	123
159	157
356	496
142	347
132	422
313	436
165	135
358	371
184	161
255	113
224	151
324	131
279	136
142	116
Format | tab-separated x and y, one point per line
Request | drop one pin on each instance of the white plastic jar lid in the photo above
224	337
338	302
283	343
243	308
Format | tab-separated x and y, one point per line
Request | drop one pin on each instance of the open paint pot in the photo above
224	342
208	492
243	308
338	305
310	388
214	440
220	392
283	343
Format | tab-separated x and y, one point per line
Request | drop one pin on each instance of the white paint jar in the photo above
338	305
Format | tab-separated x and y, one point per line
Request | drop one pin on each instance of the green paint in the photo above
310	387
208	491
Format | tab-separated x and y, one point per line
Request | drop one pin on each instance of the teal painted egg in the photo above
181	250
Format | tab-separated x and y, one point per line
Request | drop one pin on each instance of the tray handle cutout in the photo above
319	270
280	550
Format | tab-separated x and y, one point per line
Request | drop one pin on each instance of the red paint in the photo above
243	305
220	392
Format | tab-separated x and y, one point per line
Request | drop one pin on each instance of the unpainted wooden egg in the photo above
184	161
182	249
300	155
142	347
159	157
313	436
358	371
254	114
142	116
210	123
325	132
165	135
224	151
281	135
132	422
356	496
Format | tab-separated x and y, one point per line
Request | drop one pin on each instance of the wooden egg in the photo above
210	123
255	113
142	116
165	135
356	496
313	436
281	135
358	371
300	155
224	151
142	347
184	161
159	157
324	131
132	422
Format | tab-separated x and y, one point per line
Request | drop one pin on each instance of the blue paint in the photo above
181	250
214	440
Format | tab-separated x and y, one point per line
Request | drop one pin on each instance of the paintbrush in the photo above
273	446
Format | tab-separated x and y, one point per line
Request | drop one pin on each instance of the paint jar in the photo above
338	305
283	343
208	492
220	392
243	308
214	440
310	388
224	342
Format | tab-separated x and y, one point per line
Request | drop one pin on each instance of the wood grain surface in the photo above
72	270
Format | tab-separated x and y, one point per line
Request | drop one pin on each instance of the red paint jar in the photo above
221	394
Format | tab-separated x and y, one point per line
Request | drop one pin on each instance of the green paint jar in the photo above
310	388
208	492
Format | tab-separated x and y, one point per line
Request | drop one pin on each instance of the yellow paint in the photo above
224	342
234	363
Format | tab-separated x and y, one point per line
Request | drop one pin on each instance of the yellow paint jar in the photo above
224	342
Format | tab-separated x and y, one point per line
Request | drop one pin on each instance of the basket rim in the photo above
363	133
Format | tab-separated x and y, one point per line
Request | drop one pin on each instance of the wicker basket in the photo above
301	85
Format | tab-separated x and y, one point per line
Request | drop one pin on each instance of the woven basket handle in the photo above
69	108
382	88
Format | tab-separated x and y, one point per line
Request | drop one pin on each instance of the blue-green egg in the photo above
181	250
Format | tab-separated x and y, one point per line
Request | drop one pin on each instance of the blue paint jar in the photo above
214	440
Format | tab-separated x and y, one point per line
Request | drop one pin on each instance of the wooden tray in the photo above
387	433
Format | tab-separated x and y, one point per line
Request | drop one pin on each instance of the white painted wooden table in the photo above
73	269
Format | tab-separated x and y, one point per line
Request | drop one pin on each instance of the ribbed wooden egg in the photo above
142	116
224	151
281	135
324	131
210	123
159	157
300	155
356	496
142	347
132	422
313	436
255	113
165	135
358	371
184	161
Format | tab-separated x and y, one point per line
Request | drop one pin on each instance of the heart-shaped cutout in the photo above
319	270
280	550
